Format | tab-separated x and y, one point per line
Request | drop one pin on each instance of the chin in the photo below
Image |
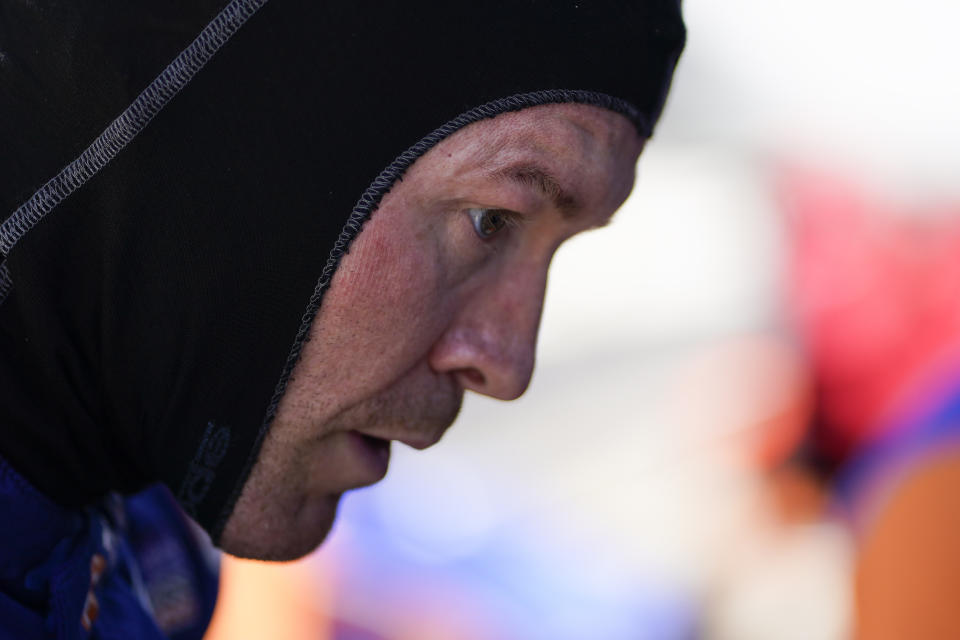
280	539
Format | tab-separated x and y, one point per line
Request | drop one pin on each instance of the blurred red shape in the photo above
875	293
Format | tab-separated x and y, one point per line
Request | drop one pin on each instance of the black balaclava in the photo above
182	179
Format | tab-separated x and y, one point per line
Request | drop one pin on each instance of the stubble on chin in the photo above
289	503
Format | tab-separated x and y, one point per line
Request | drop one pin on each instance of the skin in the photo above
423	308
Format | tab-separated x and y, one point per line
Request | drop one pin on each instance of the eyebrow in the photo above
531	175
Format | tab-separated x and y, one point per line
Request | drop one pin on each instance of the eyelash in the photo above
476	215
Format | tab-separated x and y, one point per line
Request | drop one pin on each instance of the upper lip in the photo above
417	441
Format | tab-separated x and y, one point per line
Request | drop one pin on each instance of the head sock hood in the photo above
180	180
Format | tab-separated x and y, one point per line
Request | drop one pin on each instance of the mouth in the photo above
415	441
374	451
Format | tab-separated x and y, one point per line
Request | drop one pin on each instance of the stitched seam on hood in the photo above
124	128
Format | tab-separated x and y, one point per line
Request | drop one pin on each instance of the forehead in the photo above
587	151
552	127
565	133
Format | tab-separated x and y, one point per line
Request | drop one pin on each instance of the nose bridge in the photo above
516	319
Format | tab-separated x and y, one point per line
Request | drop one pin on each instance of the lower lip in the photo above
374	452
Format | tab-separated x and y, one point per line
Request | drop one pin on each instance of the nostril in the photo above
473	377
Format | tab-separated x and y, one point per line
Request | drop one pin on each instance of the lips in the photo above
373	451
379	446
418	441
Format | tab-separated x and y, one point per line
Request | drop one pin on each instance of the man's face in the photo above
441	292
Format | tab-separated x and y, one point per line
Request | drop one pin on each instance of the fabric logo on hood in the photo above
203	469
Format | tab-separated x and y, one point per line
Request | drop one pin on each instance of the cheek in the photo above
394	295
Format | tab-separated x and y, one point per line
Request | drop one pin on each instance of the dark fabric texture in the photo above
154	314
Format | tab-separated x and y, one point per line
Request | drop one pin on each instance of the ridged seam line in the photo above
127	125
370	200
6	282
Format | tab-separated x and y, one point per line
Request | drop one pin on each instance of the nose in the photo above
490	345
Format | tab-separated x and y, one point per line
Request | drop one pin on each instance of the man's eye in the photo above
487	222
